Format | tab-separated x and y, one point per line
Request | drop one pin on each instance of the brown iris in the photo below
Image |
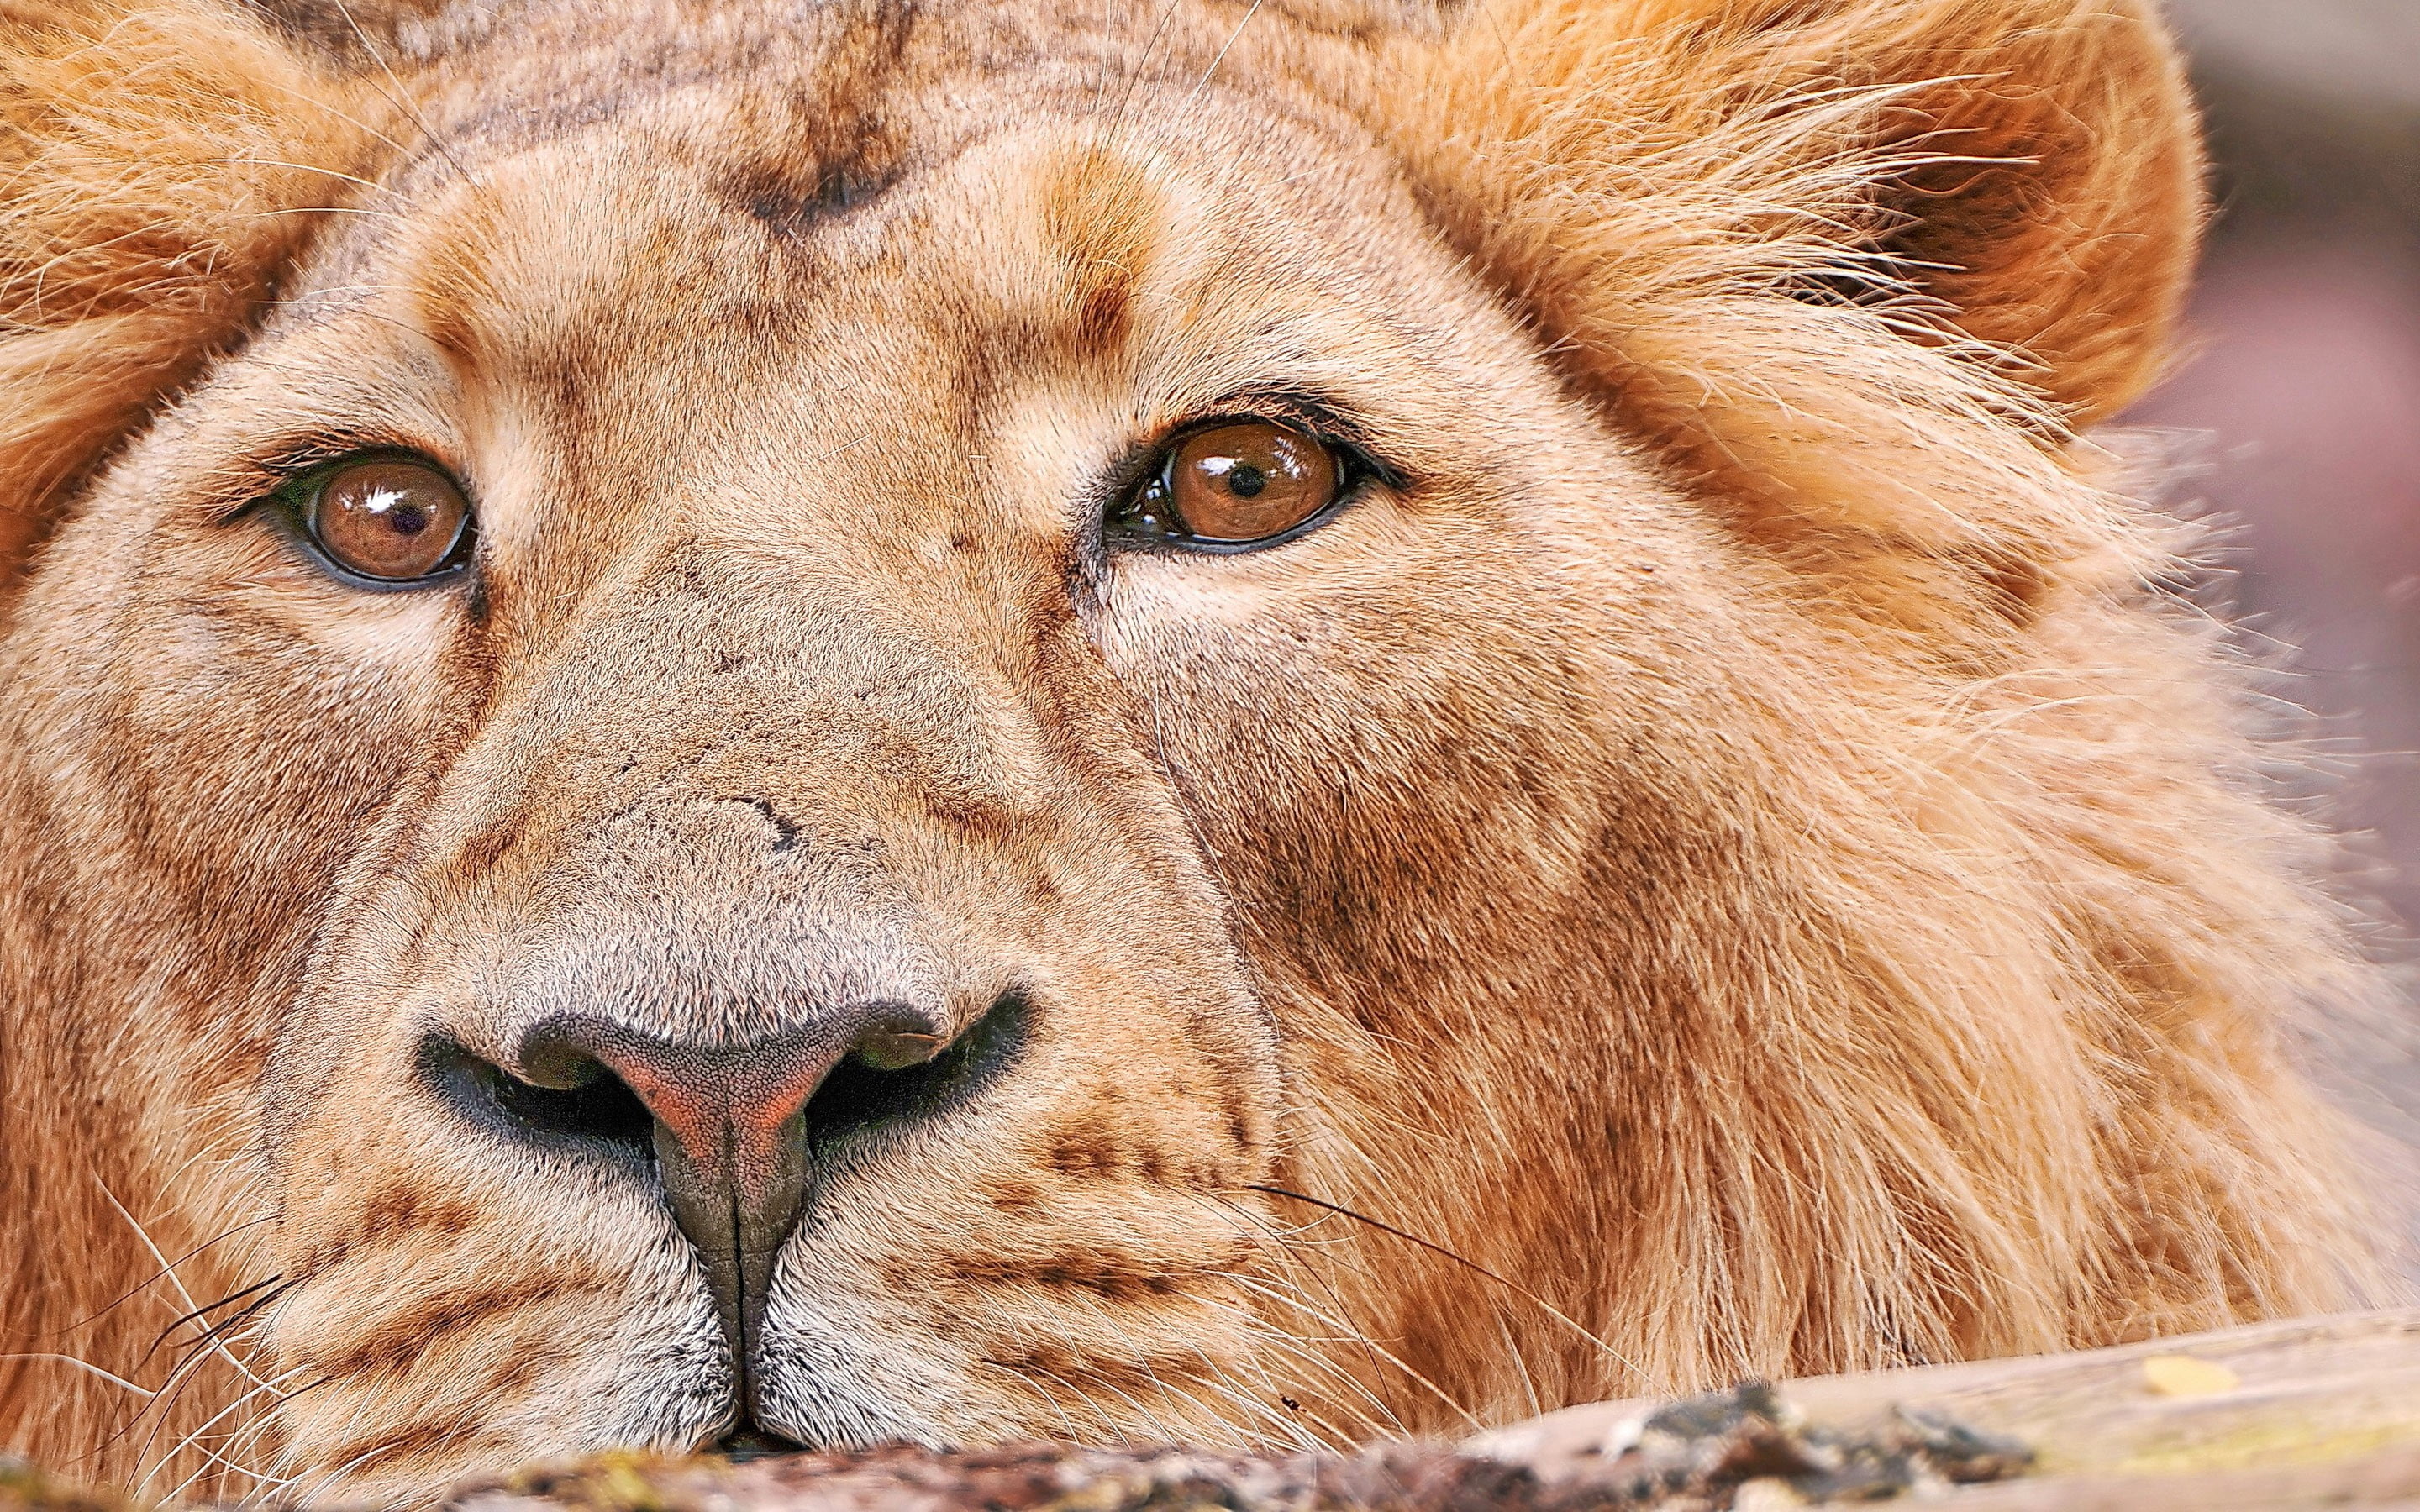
1236	483
390	519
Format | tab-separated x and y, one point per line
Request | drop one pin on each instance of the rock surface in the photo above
2320	1413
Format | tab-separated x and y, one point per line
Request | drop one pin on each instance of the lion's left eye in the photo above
390	520
1233	484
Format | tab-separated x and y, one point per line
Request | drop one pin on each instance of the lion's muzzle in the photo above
731	1126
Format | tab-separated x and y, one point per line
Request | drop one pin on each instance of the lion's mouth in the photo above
743	1444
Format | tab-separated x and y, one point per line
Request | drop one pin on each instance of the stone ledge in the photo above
2277	1417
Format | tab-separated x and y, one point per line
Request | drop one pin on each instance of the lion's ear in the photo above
2031	169
157	165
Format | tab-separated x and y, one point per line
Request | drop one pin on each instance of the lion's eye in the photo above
390	519
1233	484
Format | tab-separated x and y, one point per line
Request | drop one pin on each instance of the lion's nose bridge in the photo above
728	904
818	709
738	804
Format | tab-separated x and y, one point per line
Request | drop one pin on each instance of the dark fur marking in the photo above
1083	1153
1104	314
1052	1364
1014	1194
1111	1277
790	210
411	1332
518	1369
397	1210
416	1443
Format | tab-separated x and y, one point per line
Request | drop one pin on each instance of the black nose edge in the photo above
734	1132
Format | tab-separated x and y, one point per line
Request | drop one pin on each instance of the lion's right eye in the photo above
1242	484
391	519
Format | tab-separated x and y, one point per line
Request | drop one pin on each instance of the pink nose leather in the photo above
726	1111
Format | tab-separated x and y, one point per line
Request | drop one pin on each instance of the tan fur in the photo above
1736	843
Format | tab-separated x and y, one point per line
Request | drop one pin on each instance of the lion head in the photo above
1253	722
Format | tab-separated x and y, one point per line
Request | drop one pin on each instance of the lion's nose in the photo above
729	1135
732	1127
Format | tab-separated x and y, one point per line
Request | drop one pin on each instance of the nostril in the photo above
898	1049
892	1075
598	1107
566	1097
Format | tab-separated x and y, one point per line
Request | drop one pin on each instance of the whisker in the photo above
1074	1435
1509	1285
154	1279
244	1438
1255	1439
1292	1347
205	1310
330	1478
182	1373
1134	1353
1234	1390
1233	37
1299	1420
1388	1356
193	1357
325	210
89	1369
1513	1347
1286	1251
1149	46
193	1441
1150	1417
1294	1342
167	1272
1125	1440
359	124
401	98
170	1273
312	167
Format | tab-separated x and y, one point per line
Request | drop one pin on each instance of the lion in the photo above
1261	721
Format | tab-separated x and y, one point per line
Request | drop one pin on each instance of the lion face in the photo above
833	714
776	963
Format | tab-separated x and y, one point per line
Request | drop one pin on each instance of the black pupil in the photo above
407	519
1246	481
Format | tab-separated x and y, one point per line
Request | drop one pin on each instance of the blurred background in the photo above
2302	373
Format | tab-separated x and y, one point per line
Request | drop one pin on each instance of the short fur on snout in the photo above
1727	835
